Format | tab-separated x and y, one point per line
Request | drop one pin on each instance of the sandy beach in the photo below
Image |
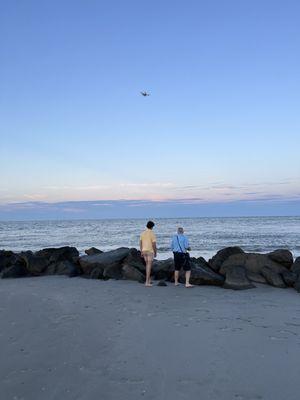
86	339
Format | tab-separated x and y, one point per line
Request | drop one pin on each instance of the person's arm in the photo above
154	244
187	244
172	245
141	246
154	248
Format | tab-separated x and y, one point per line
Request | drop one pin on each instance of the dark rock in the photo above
235	260
15	271
103	260
35	265
163	269
202	274
273	278
7	259
56	254
92	250
88	267
222	255
256	277
113	271
296	266
289	278
97	273
282	256
297	284
50	269
253	263
256	262
132	273
236	278
74	270
162	283
63	268
201	261
296	270
135	260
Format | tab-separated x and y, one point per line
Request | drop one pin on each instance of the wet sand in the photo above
84	339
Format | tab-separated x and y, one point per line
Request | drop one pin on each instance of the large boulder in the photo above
17	270
296	270
35	264
110	271
50	261
113	271
273	277
7	259
256	262
296	266
282	256
222	255
163	269
202	274
236	278
103	260
135	260
12	265
234	260
256	277
96	273
297	284
57	254
132	273
63	268
253	264
289	278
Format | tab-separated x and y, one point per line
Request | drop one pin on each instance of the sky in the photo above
218	135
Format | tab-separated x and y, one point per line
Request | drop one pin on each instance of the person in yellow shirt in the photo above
148	249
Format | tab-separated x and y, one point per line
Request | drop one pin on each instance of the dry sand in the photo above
83	339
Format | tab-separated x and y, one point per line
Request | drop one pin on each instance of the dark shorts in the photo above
181	260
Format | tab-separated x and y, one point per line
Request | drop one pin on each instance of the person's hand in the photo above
142	254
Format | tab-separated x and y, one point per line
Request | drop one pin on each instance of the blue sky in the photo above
221	127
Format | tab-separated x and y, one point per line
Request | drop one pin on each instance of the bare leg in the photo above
176	277
187	279
148	270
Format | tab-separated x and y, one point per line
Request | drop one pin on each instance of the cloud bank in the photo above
192	207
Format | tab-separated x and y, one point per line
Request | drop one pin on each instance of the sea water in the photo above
206	235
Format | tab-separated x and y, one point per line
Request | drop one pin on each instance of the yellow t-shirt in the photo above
148	238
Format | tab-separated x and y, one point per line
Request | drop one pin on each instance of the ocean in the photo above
206	235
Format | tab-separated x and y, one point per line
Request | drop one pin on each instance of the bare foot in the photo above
177	284
148	284
189	285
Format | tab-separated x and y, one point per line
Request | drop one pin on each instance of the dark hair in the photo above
150	224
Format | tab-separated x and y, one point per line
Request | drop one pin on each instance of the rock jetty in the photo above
230	268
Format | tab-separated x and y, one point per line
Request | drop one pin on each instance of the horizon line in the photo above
156	218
